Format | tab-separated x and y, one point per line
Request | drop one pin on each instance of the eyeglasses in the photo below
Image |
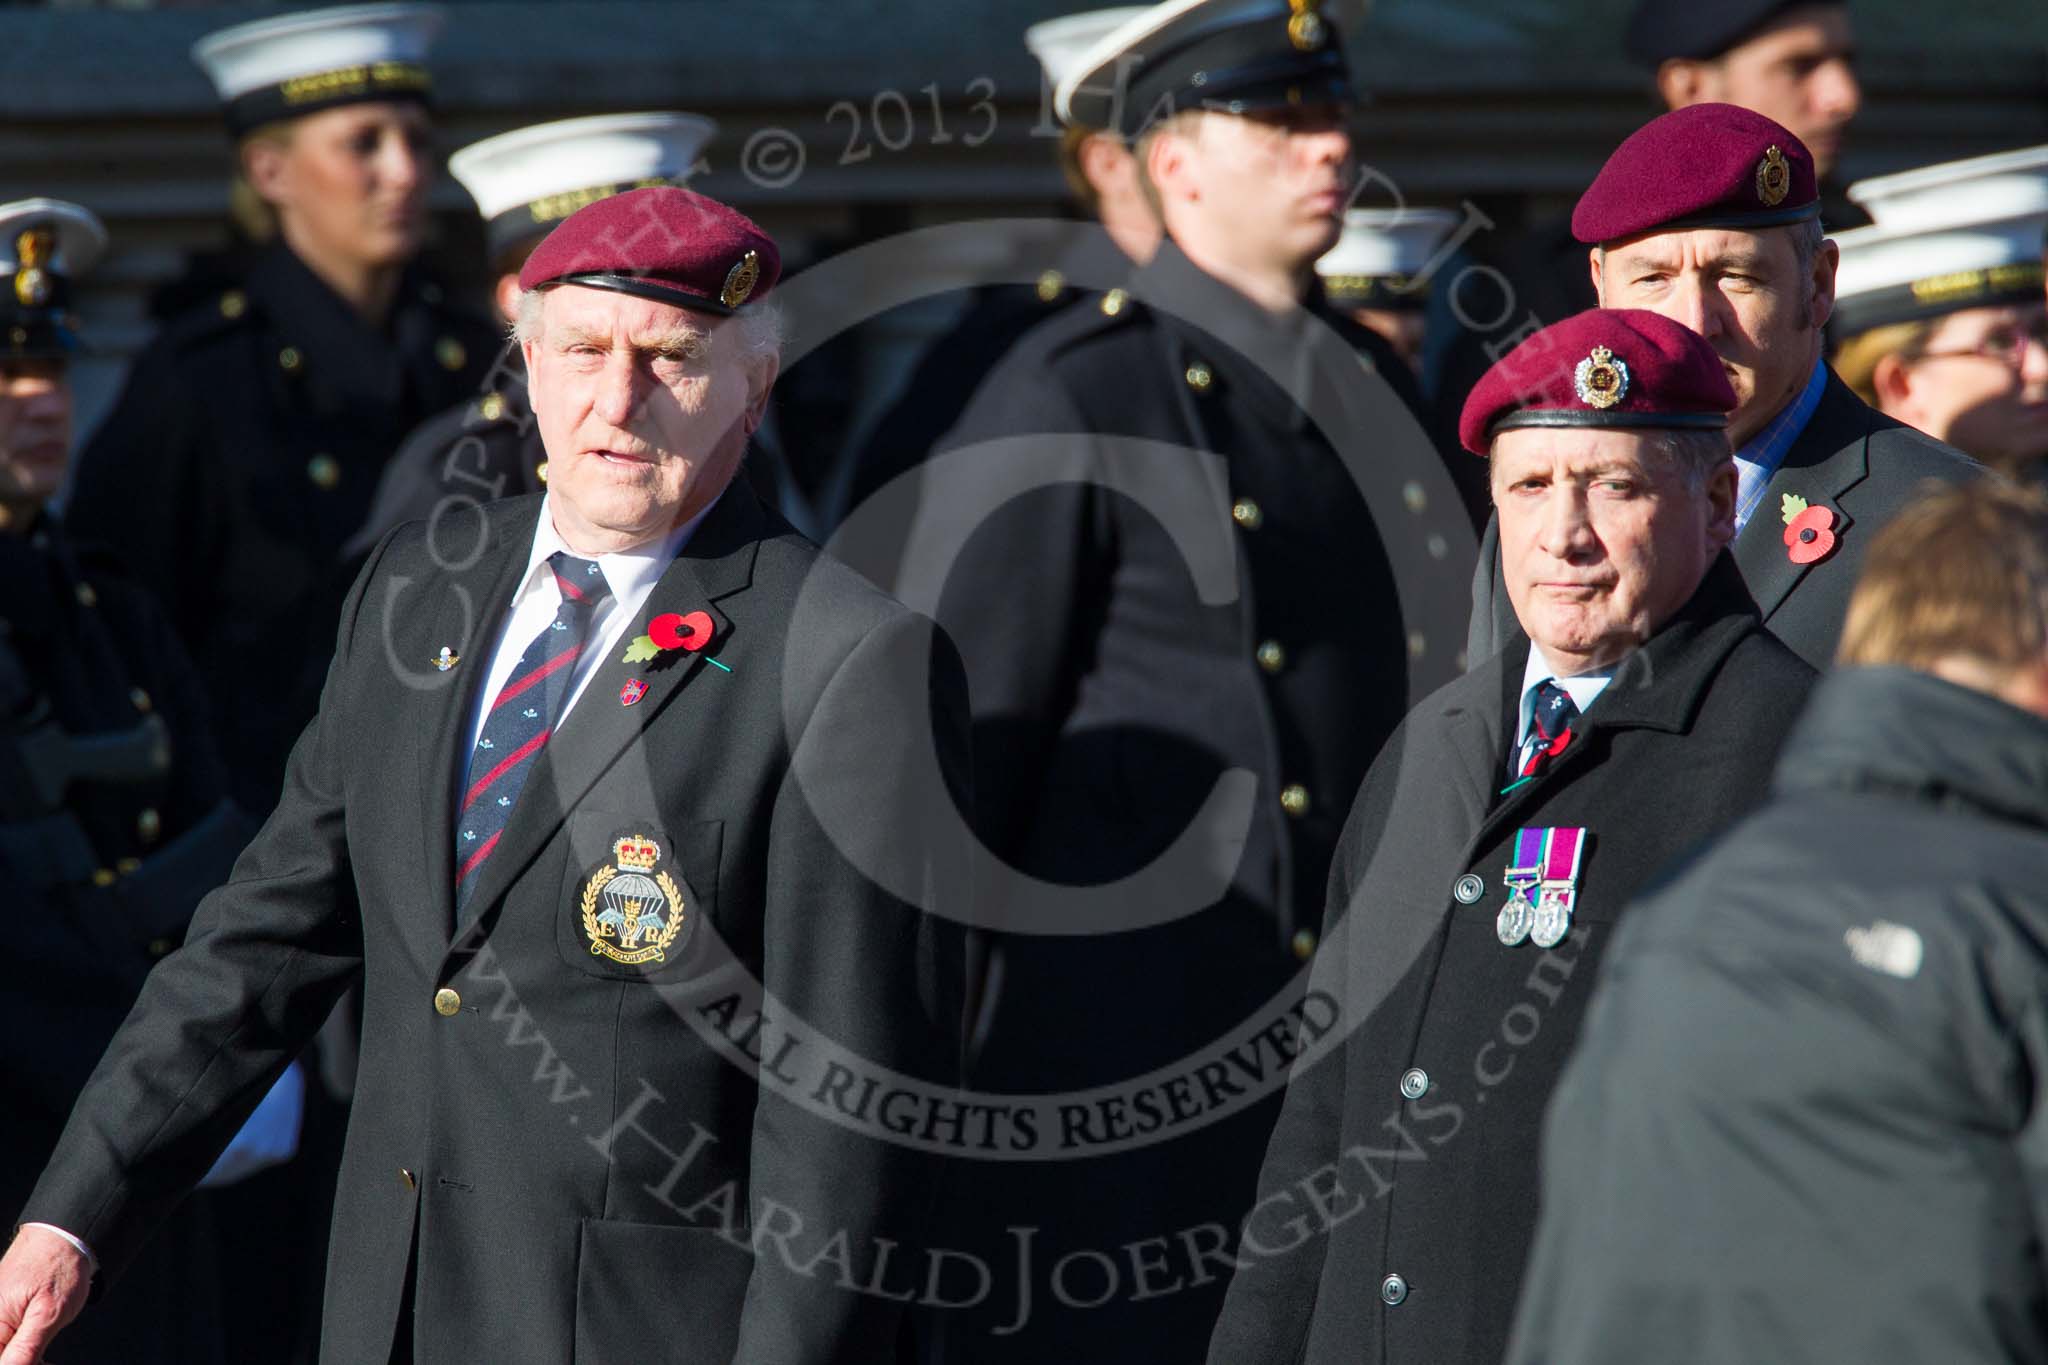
2006	346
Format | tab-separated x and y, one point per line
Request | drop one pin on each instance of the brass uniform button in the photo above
1200	377
103	876
149	825
1272	657
233	304
139	699
1113	302
324	471
126	866
1294	799
408	1179
446	1002
452	354
86	596
1050	285
1246	513
540	471
1304	944
492	408
289	360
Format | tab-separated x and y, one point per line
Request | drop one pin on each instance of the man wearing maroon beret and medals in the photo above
1710	216
610	804
1497	839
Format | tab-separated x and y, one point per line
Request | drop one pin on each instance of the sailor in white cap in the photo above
1940	309
1375	272
524	182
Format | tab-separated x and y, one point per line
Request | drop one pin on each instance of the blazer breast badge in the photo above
632	908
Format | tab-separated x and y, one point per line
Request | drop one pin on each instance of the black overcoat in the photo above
571	1156
1394	1218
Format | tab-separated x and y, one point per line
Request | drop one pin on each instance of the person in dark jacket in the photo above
1709	215
114	817
1495	845
246	444
1806	1118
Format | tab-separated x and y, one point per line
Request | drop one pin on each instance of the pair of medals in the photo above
1543	879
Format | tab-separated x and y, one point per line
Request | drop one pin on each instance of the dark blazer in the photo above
1851	458
241	456
1804	1121
1365	1180
544	1138
1132	643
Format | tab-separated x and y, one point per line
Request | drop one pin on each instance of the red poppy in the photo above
1809	536
672	630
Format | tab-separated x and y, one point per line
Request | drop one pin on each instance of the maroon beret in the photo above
1703	166
1607	367
663	243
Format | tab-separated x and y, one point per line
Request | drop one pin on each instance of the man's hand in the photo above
43	1284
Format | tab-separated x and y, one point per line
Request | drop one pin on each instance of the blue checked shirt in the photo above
1760	458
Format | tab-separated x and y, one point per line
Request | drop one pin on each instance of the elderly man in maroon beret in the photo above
1710	215
619	803
1495	842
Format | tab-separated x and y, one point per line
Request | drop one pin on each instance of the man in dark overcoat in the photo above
1710	216
614	816
1805	1118
1497	840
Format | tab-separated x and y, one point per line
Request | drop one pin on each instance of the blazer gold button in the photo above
1294	799
1415	1083
446	1002
324	471
126	866
1272	657
1393	1290
1200	377
492	407
86	596
1246	513
1113	302
139	699
540	471
407	1178
233	304
1304	944
1049	286
103	876
289	360
451	353
1468	889
148	825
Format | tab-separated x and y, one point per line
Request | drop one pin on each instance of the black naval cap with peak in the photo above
1701	30
1234	56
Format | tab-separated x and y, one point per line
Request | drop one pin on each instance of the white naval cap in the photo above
300	63
1060	43
526	181
44	245
1967	234
1379	254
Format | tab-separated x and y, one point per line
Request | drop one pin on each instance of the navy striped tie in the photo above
521	718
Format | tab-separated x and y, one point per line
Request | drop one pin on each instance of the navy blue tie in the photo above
522	716
1550	727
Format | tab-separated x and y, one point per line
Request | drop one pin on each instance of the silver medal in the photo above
1515	918
1553	917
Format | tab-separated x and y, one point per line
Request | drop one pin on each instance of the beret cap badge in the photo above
1305	28
1773	178
1600	380
740	280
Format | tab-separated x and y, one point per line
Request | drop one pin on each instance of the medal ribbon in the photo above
1562	849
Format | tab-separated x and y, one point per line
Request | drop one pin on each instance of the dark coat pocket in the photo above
655	1294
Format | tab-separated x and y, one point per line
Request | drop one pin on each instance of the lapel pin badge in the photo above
1809	530
632	692
446	659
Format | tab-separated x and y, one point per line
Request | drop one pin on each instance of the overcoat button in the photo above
1393	1289
86	596
1304	944
1200	377
1272	657
1246	513
1294	799
1468	889
1415	1083
446	1002
1113	302
324	471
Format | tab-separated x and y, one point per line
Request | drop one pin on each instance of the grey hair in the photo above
1693	454
758	328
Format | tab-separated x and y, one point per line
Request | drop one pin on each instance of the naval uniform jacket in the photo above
1851	458
1393	1219
541	1138
97	882
241	456
1118	676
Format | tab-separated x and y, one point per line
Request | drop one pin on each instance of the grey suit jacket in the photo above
556	1141
1851	458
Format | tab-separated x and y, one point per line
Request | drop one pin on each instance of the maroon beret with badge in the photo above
1704	166
663	243
1607	367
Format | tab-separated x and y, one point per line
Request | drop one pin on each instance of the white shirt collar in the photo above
630	574
1582	688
